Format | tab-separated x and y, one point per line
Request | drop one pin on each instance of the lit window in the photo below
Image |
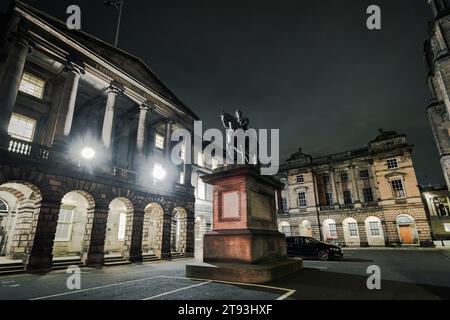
364	174
302	199
64	227
333	230
159	141
300	178
122	226
374	228
368	195
447	227
3	207
353	229
21	127
397	187
392	163
32	85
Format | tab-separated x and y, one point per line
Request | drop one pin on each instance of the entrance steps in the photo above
61	263
178	255
11	268
116	261
149	257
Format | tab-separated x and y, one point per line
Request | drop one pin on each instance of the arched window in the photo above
404	219
3	207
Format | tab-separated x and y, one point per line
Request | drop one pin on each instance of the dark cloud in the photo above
310	68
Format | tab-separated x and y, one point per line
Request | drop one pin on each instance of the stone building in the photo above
85	170
437	205
203	199
362	197
438	61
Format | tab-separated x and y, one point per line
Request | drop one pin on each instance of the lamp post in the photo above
118	5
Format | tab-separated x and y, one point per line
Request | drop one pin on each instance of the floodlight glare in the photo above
88	153
158	172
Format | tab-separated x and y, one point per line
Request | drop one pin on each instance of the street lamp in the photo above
158	172
87	153
118	5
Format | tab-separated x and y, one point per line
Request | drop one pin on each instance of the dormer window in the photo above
300	178
32	85
392	163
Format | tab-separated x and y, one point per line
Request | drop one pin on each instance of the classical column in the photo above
354	185
333	186
10	82
108	121
142	128
67	105
167	137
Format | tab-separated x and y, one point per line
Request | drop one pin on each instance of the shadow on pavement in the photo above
315	284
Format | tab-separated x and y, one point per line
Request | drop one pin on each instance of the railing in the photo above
326	208
28	149
346	206
124	174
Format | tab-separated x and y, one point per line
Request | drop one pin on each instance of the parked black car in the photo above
310	247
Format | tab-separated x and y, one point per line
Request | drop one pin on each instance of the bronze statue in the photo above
231	124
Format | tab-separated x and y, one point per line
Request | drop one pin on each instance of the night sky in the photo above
310	68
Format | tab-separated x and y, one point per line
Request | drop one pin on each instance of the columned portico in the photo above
142	128
67	106
108	121
167	142
333	187
354	184
10	82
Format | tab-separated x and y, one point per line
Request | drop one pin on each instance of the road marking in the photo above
173	291
314	267
288	293
93	288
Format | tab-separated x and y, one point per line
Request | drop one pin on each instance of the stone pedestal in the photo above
245	245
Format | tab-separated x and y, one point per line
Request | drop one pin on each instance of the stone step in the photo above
149	257
64	264
11	268
177	255
116	261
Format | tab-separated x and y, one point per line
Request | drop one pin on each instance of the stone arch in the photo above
26	198
178	230
351	232
75	220
407	230
152	229
305	228
285	228
374	231
119	227
329	229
